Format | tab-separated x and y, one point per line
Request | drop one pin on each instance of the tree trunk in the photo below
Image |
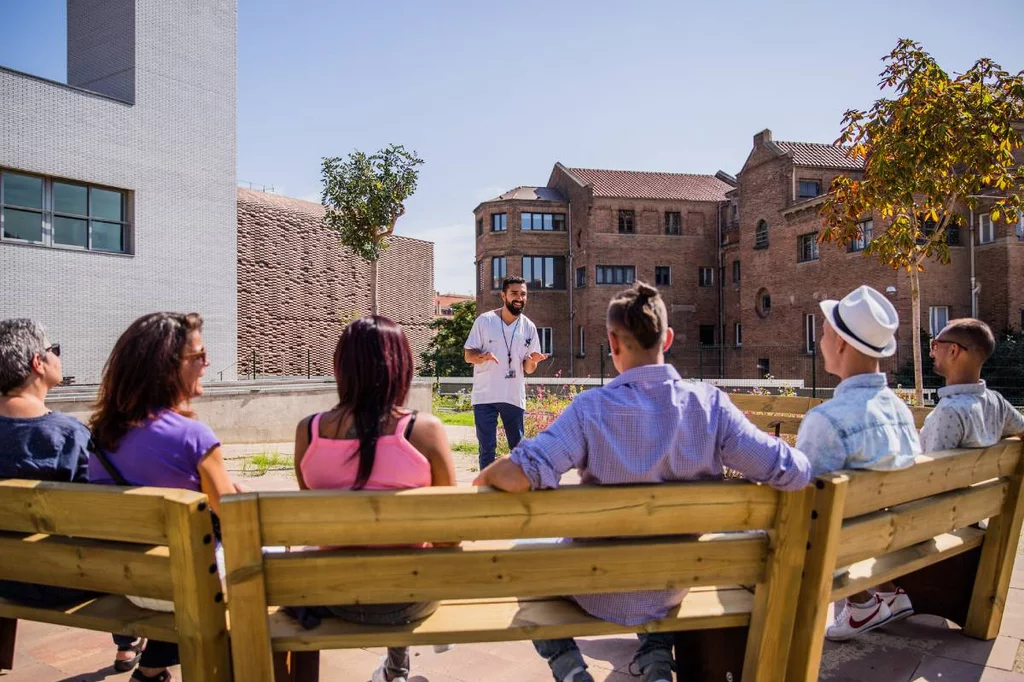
373	287
915	332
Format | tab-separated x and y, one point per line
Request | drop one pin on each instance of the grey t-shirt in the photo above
969	416
54	447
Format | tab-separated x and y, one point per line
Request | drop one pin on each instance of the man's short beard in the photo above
509	306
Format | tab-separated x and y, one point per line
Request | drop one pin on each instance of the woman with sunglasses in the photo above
145	432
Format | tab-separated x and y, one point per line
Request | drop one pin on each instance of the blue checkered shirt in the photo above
649	426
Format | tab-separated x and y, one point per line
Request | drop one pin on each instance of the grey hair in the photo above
21	339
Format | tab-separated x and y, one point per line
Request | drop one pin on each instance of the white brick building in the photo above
117	190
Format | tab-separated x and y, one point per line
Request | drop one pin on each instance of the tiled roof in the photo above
526	193
644	185
816	155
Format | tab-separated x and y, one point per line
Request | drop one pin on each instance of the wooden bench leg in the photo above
710	654
930	590
8	633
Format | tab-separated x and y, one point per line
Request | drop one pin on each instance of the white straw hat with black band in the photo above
866	320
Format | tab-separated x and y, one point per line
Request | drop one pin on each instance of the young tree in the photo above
364	197
443	357
930	150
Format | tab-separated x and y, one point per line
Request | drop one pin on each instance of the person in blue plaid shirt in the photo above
647	425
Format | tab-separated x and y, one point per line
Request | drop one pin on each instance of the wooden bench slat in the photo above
767	422
781	404
349	577
457	514
105	614
118	568
87	511
882	532
931	474
871	572
498	620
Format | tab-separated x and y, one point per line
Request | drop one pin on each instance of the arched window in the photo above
761	236
763	303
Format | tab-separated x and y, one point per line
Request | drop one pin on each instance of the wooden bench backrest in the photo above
906	520
147	542
785	412
632	557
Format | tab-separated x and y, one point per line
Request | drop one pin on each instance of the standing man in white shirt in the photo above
503	348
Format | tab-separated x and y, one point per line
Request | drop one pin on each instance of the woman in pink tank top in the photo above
369	442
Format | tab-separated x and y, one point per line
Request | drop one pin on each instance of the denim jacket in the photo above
864	426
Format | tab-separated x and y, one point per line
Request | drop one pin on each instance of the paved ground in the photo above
920	649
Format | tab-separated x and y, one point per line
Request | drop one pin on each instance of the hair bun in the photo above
644	290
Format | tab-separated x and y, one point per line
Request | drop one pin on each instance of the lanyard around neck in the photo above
508	344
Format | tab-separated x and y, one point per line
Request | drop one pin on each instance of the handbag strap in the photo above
111	469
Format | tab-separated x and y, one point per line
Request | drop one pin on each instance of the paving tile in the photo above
935	635
868	658
1013	614
939	669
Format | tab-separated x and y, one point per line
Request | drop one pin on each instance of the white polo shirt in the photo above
490	334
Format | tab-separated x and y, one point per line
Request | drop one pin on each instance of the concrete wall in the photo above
172	150
252	413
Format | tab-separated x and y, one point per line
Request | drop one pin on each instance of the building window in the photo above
706	277
938	318
499	222
953	235
738	333
545	335
479	226
543	222
583	347
662	275
764	368
673	222
865	232
627	222
808	247
986	229
809	189
39	210
810	335
544	272
498	271
706	334
616	274
761	235
763	303
734	212
736	272
581	278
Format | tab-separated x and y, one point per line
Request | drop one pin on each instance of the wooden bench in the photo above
493	590
914	526
149	542
782	415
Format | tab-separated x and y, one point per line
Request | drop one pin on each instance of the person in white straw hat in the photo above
865	426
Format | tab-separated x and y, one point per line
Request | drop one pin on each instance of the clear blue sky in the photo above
492	94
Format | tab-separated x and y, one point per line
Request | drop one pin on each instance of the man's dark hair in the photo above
509	281
972	333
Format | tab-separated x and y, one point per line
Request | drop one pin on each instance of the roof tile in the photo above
816	155
645	185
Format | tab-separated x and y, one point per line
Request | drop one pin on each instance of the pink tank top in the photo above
333	464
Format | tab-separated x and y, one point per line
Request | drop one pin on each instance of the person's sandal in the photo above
165	676
124	665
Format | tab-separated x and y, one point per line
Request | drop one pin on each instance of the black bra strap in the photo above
408	427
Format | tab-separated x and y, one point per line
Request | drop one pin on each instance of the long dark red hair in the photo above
373	370
143	375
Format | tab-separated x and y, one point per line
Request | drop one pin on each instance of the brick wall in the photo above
297	287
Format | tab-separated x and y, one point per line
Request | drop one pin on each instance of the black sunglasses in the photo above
55	349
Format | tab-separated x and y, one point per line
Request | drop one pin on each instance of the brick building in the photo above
585	236
298	287
736	259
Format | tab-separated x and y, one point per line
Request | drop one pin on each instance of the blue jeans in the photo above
564	656
486	418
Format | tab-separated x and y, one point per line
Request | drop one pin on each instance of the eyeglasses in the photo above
55	349
936	342
201	356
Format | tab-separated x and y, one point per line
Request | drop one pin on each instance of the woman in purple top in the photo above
145	427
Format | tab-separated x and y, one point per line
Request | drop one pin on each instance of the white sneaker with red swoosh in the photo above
856	619
898	603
